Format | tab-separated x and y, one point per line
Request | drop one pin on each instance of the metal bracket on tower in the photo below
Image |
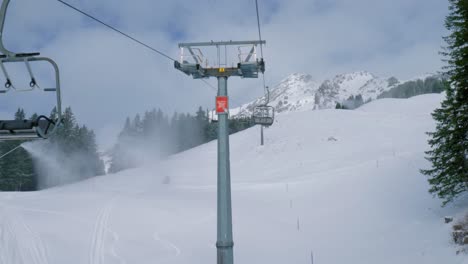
193	64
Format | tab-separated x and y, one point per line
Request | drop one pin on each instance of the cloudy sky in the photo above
106	77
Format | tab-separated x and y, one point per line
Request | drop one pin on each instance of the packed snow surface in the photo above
337	185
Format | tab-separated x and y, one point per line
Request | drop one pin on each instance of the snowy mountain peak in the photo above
299	91
359	76
298	77
351	82
291	94
344	86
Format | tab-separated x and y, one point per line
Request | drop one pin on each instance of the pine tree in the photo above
137	125
20	115
16	170
92	165
358	101
34	116
449	143
200	122
127	128
164	136
76	147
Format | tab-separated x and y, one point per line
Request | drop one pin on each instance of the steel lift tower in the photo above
248	66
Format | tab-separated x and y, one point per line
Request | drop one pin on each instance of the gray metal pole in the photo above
3	11
261	135
224	243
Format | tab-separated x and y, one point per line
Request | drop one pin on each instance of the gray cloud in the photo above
107	77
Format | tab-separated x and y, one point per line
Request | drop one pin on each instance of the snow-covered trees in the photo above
449	143
432	84
158	136
73	140
16	169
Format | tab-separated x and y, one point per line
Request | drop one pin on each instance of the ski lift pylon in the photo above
42	126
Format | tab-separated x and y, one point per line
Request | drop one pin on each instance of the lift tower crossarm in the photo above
245	68
222	43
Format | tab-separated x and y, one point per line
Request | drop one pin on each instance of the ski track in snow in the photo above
171	245
7	241
8	238
18	242
98	242
112	250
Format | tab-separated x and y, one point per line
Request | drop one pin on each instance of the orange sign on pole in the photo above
222	104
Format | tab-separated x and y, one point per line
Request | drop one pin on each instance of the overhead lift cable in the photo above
263	114
259	31
116	30
125	35
261	48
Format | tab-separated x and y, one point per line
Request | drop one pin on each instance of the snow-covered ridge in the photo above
291	94
299	92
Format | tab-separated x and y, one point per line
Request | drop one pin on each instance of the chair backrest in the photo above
263	115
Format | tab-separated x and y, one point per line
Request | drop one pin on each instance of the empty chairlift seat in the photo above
263	115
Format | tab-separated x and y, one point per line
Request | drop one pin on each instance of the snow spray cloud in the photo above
132	152
53	167
144	141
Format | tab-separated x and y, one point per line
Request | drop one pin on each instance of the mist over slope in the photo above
343	186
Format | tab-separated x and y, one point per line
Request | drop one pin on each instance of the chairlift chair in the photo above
42	126
263	115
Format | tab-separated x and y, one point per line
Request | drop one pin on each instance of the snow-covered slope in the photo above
343	186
